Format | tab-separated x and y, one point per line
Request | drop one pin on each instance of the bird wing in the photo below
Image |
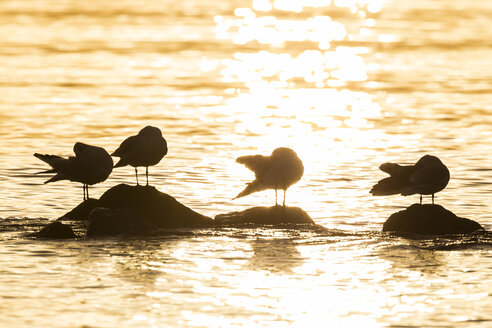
430	174
390	168
128	145
257	163
398	180
93	165
427	179
386	186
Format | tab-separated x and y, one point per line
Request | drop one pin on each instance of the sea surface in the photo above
347	84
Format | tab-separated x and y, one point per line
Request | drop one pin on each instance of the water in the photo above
347	84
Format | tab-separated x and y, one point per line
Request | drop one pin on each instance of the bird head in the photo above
150	131
283	152
427	160
79	147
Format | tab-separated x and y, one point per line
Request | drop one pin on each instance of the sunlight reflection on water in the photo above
348	84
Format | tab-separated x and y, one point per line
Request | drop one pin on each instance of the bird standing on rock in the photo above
427	177
147	148
280	170
90	165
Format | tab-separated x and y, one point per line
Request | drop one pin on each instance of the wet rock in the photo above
81	211
158	208
429	219
107	222
274	215
56	230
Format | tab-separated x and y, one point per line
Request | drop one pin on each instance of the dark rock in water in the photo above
125	209
106	222
156	207
429	219
265	215
56	230
81	211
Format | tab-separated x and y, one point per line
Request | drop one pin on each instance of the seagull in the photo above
90	165
147	148
427	177
280	170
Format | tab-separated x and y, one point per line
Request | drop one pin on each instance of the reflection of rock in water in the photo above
140	261
412	258
274	255
429	219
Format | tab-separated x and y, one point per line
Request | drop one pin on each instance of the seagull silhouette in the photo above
90	165
280	170
147	148
427	177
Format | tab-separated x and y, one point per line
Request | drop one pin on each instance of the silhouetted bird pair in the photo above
280	170
92	164
283	168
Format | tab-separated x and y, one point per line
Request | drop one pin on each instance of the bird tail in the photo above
51	160
56	162
120	163
250	188
45	171
57	177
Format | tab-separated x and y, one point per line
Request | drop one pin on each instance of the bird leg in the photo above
432	199
285	191
136	175
87	190
275	197
420	199
147	174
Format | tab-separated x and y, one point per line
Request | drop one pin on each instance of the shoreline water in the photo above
348	86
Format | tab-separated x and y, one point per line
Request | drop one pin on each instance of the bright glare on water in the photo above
347	84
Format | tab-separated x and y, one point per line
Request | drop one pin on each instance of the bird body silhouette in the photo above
89	166
147	148
427	177
280	170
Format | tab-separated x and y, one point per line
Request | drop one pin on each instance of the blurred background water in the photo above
348	84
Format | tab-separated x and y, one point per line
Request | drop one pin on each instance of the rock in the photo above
125	209
429	219
56	230
106	222
156	207
265	215
81	211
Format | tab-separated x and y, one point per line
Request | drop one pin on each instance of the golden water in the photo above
348	84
